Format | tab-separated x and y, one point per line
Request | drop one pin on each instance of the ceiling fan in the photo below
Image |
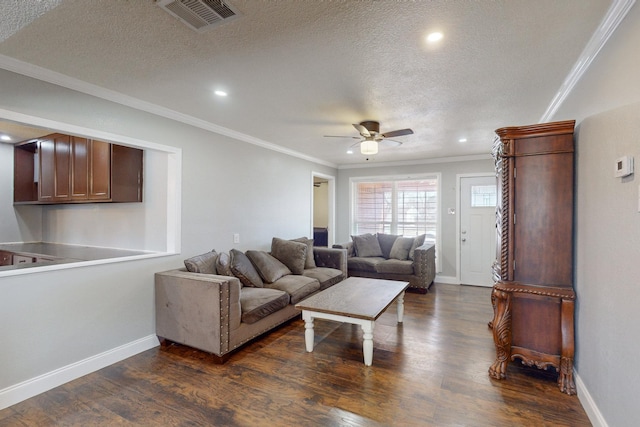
370	136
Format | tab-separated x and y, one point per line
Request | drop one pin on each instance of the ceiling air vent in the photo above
199	15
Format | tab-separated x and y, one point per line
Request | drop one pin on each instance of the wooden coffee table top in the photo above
357	297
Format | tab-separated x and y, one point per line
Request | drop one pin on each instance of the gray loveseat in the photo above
391	257
227	300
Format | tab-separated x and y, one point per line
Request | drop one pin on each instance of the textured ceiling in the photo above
298	70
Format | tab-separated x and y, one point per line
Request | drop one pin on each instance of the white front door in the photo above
477	229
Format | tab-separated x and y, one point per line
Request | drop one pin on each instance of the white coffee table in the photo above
356	300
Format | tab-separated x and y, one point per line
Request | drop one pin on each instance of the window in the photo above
407	207
483	196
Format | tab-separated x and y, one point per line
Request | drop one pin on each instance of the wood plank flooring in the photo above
429	371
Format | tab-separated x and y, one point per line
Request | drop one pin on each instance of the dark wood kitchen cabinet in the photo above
61	168
533	296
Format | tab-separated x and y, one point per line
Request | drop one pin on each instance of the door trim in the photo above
458	218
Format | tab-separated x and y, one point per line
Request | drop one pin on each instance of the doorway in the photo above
322	209
477	229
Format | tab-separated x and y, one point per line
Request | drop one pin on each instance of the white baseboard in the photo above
34	386
448	280
590	407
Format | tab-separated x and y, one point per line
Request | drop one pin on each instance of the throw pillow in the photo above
205	263
292	254
269	268
223	264
310	262
366	245
243	269
401	248
418	241
386	242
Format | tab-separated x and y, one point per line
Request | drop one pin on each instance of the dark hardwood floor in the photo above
429	371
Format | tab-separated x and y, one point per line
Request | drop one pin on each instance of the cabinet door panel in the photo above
544	216
47	177
79	168
126	173
62	148
100	171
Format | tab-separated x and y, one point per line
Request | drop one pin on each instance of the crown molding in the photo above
613	18
49	76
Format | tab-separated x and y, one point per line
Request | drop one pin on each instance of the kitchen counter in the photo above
55	253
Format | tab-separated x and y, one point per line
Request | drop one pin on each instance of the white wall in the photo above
448	169
55	319
606	103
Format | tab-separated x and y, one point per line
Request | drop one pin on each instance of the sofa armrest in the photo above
331	257
424	263
198	310
348	246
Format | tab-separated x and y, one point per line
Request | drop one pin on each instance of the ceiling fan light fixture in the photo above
369	147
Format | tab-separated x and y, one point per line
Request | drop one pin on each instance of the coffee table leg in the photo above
367	342
400	307
308	330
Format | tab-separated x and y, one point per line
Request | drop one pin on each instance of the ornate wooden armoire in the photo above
533	297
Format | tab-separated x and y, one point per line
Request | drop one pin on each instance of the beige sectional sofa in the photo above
391	257
227	300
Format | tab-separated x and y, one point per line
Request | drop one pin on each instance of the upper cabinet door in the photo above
79	168
62	167
47	174
100	171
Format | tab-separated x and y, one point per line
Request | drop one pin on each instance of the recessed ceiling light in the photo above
5	138
462	140
349	151
434	37
220	93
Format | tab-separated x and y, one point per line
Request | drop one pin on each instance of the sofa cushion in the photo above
386	242
401	248
364	264
243	269
395	266
292	254
205	263
366	245
298	287
257	303
310	262
326	276
269	267
223	264
417	242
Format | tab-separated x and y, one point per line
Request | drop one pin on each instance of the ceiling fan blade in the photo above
362	130
399	132
341	136
390	142
356	144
